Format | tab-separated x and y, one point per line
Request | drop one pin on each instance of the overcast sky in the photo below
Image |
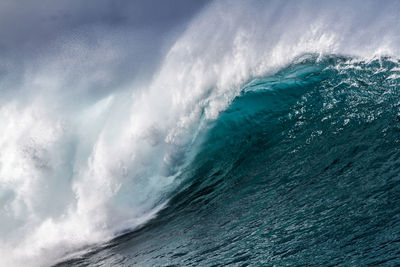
115	40
26	25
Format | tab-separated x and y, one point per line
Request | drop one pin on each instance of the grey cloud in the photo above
37	34
28	24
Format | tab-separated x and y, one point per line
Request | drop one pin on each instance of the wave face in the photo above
302	168
267	133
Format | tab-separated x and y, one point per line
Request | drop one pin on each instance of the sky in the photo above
26	25
117	40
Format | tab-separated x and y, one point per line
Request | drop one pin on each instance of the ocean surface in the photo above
246	133
302	169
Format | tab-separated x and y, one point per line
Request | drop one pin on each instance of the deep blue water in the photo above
302	169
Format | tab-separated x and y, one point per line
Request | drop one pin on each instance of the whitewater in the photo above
90	154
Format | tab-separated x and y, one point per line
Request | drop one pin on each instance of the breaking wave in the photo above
262	110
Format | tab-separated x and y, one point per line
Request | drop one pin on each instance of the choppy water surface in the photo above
301	169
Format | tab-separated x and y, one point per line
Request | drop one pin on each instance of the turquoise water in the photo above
302	169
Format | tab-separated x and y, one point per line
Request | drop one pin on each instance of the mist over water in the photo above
107	115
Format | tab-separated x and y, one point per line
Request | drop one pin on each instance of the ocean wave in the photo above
247	91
